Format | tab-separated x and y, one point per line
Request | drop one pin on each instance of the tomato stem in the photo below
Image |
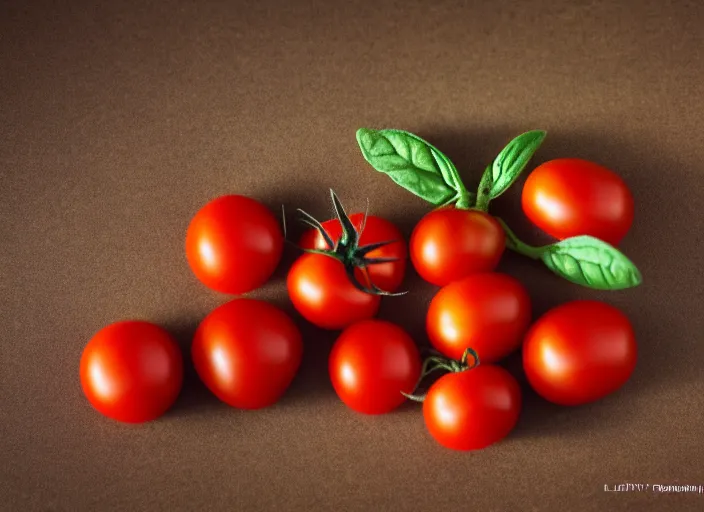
434	363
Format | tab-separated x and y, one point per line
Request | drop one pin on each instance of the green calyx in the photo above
347	249
434	363
583	260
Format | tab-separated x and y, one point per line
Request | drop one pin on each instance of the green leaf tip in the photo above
511	161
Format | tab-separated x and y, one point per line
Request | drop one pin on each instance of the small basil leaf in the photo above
412	163
513	159
592	263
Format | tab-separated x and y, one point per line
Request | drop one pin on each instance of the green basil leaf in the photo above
412	163
513	159
592	263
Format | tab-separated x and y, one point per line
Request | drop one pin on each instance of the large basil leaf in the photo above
591	262
412	163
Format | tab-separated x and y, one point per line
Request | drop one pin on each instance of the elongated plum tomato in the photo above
489	312
569	197
387	276
234	244
322	293
371	363
579	352
247	352
132	371
449	244
472	409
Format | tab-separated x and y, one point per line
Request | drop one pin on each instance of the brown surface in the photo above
119	121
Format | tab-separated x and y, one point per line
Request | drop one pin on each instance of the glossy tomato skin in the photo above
387	276
371	362
472	409
234	244
131	371
579	352
247	352
570	197
449	244
488	312
323	294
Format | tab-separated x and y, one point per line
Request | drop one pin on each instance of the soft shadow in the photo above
541	418
312	382
194	398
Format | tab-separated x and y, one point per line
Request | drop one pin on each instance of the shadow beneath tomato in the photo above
312	382
194	398
408	311
540	418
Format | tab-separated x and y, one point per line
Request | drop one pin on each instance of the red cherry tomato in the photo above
489	312
132	371
579	352
387	276
569	197
472	409
371	363
449	244
234	244
247	352
322	293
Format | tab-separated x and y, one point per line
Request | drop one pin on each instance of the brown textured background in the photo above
118	121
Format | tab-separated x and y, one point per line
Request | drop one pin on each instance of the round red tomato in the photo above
132	371
489	312
247	352
234	244
569	197
371	363
387	276
472	409
322	293
579	352
449	244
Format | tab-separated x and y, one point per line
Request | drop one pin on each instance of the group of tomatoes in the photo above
247	351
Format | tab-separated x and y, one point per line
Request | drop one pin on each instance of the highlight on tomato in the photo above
333	287
489	312
579	352
234	244
472	406
568	197
131	371
247	353
371	363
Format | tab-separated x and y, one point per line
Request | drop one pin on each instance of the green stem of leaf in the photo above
516	245
484	190
583	260
465	200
